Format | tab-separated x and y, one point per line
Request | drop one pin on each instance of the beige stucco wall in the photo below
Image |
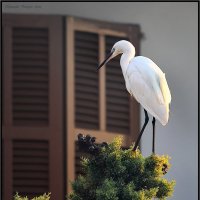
170	30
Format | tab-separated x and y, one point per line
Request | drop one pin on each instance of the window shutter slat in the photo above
30	167
117	98
30	76
86	80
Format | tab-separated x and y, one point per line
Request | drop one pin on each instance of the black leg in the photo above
153	146
142	130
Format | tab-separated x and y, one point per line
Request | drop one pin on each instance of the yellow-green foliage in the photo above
17	197
42	197
116	174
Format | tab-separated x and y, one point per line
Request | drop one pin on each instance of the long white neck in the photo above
125	60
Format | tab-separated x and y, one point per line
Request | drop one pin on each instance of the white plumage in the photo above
146	82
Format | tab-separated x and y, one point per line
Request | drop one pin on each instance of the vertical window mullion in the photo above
102	84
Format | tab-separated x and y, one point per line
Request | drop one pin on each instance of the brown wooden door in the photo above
32	106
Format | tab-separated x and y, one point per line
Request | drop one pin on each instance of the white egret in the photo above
146	82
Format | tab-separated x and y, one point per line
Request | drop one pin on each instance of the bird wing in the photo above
144	78
147	83
165	89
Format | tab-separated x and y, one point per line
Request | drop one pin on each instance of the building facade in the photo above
48	98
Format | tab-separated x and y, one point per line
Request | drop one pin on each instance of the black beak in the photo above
105	61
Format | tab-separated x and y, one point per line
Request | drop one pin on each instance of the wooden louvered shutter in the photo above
86	80
32	126
30	166
98	103
30	76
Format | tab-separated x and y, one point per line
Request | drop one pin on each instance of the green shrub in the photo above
42	197
112	173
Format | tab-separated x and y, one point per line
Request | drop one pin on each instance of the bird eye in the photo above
113	49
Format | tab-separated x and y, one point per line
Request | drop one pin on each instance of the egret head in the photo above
120	47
